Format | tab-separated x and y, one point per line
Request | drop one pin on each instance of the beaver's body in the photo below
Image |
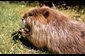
55	31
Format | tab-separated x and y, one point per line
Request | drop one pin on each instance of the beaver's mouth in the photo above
25	29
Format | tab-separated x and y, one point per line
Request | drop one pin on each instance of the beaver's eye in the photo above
30	14
45	14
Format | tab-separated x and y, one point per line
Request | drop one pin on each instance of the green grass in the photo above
10	21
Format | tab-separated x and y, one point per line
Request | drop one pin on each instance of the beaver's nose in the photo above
22	19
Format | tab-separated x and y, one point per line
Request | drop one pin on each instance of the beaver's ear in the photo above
46	13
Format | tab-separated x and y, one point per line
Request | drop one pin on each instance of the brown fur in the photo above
55	31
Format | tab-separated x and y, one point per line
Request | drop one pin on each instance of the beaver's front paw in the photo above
24	32
21	31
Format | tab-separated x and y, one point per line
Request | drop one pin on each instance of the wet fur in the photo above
55	31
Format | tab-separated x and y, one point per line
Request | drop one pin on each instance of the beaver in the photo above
50	28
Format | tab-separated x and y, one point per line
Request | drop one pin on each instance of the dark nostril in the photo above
30	14
22	19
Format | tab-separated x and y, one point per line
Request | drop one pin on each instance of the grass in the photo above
10	21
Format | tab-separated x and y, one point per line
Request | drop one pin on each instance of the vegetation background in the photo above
11	13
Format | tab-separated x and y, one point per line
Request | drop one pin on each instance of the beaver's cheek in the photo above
26	21
29	20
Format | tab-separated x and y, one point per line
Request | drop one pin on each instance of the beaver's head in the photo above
40	15
38	18
42	18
